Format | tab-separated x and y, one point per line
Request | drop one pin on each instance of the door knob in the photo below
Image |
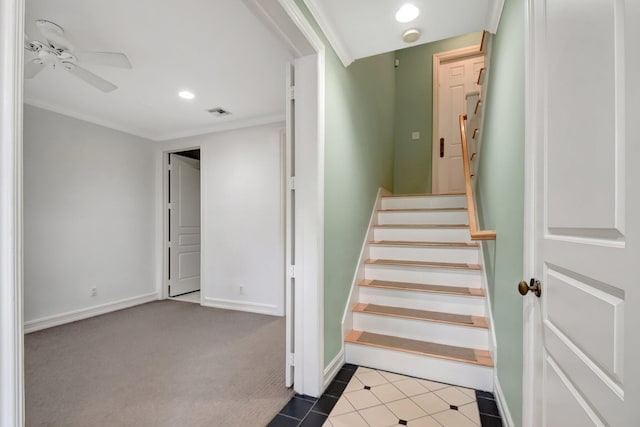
533	286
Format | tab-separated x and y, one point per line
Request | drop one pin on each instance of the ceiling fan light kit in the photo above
57	50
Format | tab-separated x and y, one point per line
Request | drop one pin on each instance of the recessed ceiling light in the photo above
185	94
407	13
411	35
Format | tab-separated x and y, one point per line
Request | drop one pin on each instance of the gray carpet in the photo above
166	363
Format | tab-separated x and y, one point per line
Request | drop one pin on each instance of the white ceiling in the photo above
361	28
218	49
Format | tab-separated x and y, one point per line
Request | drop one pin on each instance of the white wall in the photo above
89	218
242	211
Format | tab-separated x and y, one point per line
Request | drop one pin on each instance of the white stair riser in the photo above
440	333
423	275
424	217
445	303
422	234
435	369
425	253
424	202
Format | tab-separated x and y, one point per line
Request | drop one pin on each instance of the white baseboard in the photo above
84	313
332	369
251	307
502	403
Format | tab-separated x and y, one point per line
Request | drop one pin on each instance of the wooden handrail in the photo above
471	207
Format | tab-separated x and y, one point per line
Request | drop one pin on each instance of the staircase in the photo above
420	309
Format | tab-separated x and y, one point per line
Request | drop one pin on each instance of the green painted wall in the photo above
359	114
414	112
500	195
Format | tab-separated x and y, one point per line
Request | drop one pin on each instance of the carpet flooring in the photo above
166	363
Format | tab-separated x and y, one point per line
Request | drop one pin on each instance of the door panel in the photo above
586	247
184	225
456	79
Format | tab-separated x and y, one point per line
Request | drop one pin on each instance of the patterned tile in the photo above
453	396
431	403
374	398
379	416
387	393
410	387
406	409
453	419
362	399
352	419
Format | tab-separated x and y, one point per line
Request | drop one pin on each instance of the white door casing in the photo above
184	225
290	229
583	204
455	74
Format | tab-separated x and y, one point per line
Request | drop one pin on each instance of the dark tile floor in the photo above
308	411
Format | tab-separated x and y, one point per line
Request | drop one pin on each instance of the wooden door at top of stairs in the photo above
456	78
582	368
184	225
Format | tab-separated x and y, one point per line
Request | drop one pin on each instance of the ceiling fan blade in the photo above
32	68
110	59
86	75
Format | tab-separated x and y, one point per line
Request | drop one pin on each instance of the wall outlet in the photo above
241	289
94	292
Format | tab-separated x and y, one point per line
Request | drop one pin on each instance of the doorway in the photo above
183	231
455	74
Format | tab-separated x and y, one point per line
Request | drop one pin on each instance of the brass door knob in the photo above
533	286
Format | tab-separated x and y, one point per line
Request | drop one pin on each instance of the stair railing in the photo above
476	233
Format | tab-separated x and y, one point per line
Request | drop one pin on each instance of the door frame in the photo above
11	216
531	306
438	59
310	367
163	292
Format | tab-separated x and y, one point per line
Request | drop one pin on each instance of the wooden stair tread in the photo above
424	195
424	210
422	226
429	244
451	265
404	286
426	315
424	348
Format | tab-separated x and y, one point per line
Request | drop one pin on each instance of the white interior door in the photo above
184	225
456	78
290	225
582	344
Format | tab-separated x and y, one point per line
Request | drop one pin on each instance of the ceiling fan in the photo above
58	51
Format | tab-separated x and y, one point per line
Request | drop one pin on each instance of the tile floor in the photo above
363	397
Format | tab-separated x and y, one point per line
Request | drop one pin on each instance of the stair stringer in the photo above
347	317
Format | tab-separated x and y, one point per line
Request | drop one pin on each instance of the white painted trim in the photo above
347	317
226	126
330	33
494	12
162	231
493	342
11	222
238	305
220	127
309	318
84	313
333	368
530	307
260	10
502	403
87	118
437	59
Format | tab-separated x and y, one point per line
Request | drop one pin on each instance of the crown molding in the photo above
226	126
87	118
329	31
494	12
